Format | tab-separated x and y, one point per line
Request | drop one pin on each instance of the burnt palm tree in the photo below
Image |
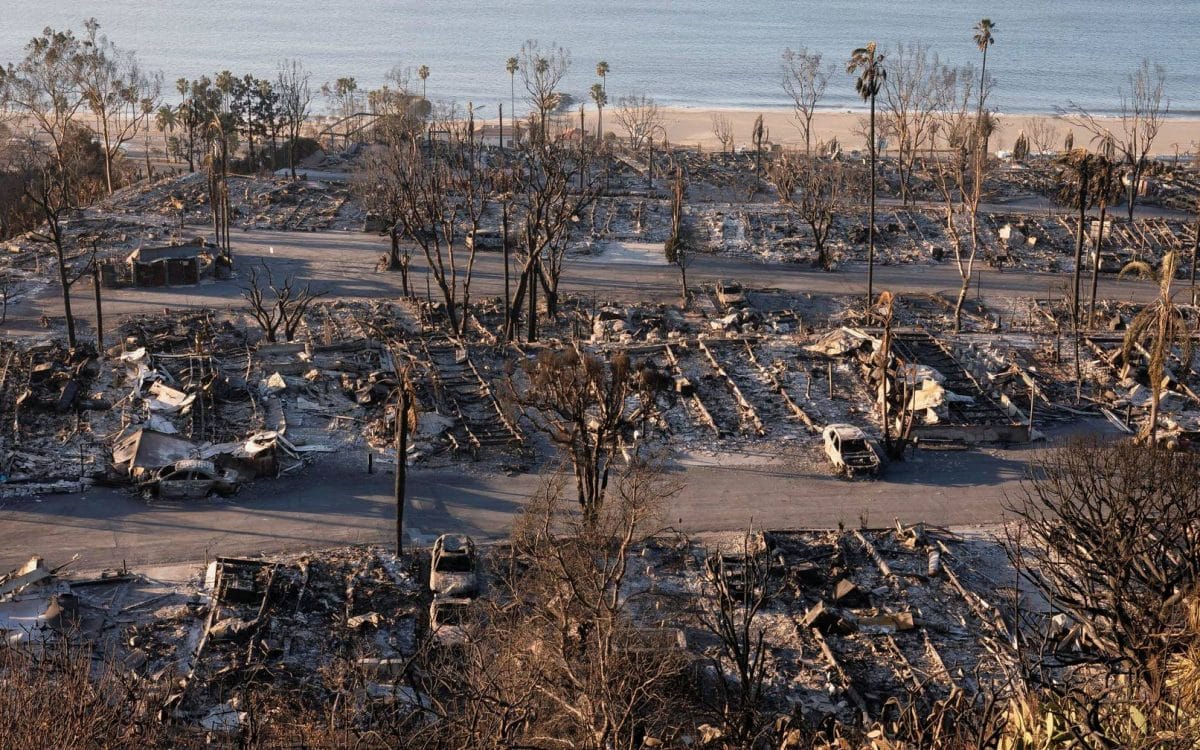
758	135
1108	189
1079	169
868	64
1155	331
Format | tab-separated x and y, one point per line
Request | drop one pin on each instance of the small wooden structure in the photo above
166	266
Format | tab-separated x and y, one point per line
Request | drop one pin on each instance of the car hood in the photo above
452	584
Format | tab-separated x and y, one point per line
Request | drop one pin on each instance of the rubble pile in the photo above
1173	186
179	401
28	265
293	622
36	604
203	388
255	202
741	367
54	401
851	620
889	614
1009	180
304	624
737	374
642	220
1024	241
736	212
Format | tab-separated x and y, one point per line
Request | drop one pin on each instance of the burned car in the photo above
1110	262
449	620
850	451
190	479
452	569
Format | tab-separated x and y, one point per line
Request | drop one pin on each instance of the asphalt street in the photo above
329	505
343	265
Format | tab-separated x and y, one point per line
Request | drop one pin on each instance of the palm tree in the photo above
184	119
423	73
225	83
600	98
1155	330
511	66
602	71
871	74
147	108
983	40
165	119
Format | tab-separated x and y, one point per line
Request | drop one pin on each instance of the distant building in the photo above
490	135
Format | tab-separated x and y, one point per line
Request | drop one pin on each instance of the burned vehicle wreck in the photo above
191	479
850	451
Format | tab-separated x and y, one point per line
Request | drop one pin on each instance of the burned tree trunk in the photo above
398	260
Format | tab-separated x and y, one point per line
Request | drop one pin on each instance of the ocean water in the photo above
703	53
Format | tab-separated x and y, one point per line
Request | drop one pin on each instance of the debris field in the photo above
851	619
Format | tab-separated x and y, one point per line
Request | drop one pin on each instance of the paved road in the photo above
343	263
331	505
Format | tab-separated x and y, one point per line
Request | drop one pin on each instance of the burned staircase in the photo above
465	395
981	419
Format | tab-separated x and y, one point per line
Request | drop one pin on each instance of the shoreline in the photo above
1178	135
693	126
1186	115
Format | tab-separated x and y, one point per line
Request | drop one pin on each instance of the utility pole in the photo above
531	335
402	409
96	289
507	293
501	126
99	312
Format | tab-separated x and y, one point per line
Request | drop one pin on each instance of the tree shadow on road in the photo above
972	468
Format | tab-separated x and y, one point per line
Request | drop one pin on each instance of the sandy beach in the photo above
693	127
688	126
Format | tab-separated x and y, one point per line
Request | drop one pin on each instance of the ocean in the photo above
696	53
